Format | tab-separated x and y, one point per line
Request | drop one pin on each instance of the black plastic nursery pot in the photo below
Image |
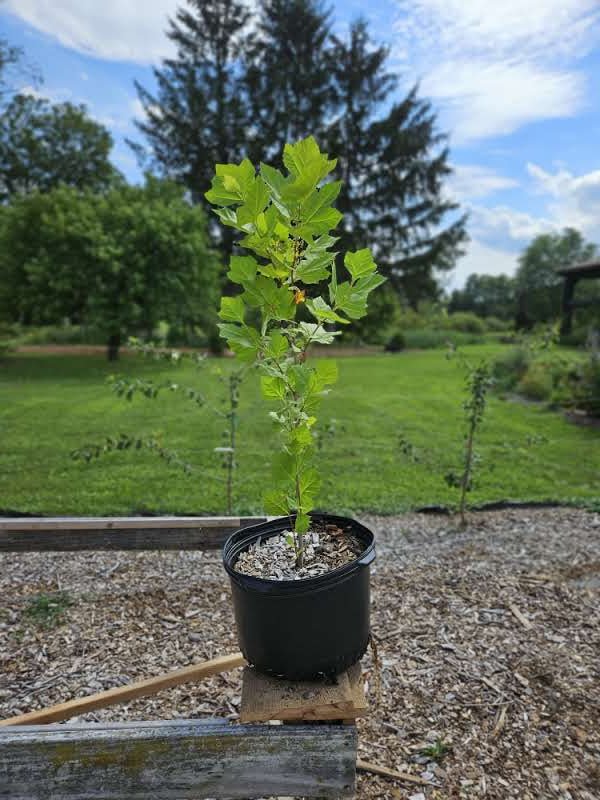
300	629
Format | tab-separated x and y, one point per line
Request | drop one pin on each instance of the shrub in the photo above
497	325
537	383
509	368
395	343
466	322
429	339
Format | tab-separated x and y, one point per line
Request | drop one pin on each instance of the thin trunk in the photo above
114	343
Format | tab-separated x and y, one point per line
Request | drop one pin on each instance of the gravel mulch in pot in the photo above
325	549
488	642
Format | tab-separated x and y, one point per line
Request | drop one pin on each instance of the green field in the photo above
51	404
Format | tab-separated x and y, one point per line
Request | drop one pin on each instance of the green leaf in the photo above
323	312
323	221
360	263
241	176
232	309
242	269
302	523
314	266
300	440
255	203
231	183
241	339
351	302
319	200
275	502
273	388
326	372
310	483
274	301
305	155
317	333
227	216
370	282
277	346
283	468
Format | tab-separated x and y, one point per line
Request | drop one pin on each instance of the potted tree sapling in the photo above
300	582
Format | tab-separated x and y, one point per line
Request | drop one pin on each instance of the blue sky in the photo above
515	84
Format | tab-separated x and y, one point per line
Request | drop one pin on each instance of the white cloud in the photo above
493	67
111	29
502	223
484	260
471	180
574	199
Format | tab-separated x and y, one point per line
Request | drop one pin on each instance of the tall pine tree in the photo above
287	75
197	117
393	167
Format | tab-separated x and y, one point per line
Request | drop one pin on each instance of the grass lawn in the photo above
51	404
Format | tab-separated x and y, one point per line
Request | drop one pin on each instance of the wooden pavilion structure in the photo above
572	275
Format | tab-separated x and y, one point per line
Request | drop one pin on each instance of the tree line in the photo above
243	81
533	295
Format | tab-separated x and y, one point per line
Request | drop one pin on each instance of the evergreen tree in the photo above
393	167
287	75
197	117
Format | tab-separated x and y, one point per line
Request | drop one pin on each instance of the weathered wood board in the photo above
176	760
265	698
30	534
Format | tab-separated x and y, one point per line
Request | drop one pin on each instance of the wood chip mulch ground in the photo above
488	640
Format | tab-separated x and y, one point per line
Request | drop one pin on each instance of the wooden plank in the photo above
176	760
24	534
376	769
123	694
267	698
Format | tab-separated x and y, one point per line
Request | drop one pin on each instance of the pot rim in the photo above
274	527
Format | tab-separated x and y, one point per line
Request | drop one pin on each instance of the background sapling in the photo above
285	221
227	410
478	383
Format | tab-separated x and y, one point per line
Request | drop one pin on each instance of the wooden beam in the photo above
176	760
30	534
123	694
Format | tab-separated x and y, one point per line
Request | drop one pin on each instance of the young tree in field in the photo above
197	116
118	262
393	161
287	75
43	146
539	286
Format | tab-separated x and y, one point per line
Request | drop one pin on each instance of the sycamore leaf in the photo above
314	266
256	201
241	339
323	221
302	524
275	502
242	269
273	388
305	155
319	200
326	372
314	332
351	302
276	302
277	346
360	263
323	312
232	309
